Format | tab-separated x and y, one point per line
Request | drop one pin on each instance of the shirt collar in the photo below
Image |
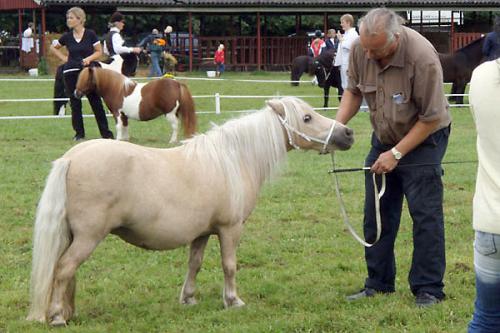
398	58
114	29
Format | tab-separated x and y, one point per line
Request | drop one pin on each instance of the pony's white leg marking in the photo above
229	239
121	130
174	122
194	265
62	111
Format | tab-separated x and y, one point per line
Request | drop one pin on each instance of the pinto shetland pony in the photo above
160	199
140	101
59	105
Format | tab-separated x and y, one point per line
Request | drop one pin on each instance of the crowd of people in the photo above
398	72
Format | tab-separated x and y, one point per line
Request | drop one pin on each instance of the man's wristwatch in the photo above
396	153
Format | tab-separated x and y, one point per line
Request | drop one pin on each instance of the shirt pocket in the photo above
369	92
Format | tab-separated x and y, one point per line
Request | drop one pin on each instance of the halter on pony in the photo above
289	130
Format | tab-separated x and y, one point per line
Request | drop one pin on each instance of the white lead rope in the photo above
377	195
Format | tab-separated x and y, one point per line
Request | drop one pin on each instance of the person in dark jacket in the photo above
491	46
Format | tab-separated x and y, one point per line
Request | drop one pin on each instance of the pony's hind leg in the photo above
62	304
229	239
194	265
174	122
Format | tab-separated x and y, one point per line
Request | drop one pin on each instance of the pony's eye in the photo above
307	118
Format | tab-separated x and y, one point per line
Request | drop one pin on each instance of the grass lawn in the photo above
296	260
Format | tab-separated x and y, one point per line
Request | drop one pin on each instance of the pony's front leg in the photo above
174	122
194	265
229	239
326	91
122	127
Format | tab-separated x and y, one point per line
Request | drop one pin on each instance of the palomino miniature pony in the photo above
141	101
160	199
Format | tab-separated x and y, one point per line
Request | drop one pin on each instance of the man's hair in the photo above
78	12
382	20
348	18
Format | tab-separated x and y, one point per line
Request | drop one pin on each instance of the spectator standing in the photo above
219	60
317	45
27	42
155	45
484	100
169	60
399	74
83	48
491	46
114	45
346	41
332	41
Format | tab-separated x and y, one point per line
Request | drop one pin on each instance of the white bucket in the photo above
33	72
211	73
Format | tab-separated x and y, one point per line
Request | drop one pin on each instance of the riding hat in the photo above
317	33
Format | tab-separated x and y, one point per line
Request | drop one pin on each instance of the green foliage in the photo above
296	260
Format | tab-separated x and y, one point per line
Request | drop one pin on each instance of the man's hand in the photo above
385	163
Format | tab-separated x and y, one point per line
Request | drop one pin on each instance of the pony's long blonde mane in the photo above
249	149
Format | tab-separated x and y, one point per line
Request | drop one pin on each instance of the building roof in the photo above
280	5
18	4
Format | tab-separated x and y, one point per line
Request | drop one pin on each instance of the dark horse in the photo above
300	65
327	74
458	67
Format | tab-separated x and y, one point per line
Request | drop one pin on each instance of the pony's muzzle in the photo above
342	138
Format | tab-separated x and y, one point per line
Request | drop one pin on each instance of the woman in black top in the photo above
83	48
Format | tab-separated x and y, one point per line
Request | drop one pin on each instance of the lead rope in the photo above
378	194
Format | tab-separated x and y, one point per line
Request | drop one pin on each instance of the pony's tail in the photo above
187	111
51	238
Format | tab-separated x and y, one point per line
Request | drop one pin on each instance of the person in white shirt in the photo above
484	100
27	42
114	45
345	43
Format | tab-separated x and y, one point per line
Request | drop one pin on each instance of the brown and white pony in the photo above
160	199
126	99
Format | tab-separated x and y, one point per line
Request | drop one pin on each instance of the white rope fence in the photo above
217	97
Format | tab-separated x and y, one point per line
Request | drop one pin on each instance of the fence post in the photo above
217	103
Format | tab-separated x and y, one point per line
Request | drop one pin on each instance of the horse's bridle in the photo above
289	130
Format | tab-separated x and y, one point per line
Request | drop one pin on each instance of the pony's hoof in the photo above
189	301
233	303
58	321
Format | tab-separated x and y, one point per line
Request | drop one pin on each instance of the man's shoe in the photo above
363	293
424	299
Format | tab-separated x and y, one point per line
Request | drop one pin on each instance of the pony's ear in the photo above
277	106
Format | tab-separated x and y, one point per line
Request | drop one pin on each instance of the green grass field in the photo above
296	261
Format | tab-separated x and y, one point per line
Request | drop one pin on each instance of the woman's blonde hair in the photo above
78	12
348	18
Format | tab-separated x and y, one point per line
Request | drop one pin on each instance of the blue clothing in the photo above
423	189
155	65
487	266
220	67
332	45
491	46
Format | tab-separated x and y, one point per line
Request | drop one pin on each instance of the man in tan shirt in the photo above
399	74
